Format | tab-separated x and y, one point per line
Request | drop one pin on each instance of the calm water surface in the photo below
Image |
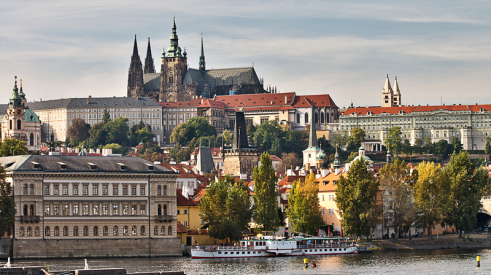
419	262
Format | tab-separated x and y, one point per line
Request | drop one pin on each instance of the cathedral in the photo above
177	82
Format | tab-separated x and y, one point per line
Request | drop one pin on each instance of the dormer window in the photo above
62	165
369	112
35	164
92	166
122	166
401	112
149	166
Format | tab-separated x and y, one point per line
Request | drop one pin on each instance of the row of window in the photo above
330	211
96	190
329	197
64	210
95	231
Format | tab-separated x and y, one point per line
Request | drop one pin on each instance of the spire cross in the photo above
15	79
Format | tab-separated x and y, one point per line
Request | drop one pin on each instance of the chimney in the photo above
90	96
286	99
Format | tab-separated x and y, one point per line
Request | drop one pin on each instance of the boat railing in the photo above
218	247
333	245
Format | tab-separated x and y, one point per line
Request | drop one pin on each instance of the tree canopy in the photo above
265	196
304	213
393	141
7	205
355	139
141	133
267	133
226	208
196	127
12	146
79	131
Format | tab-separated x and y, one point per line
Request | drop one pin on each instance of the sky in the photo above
440	51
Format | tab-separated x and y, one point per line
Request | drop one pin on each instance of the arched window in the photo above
21	231
159	190
162	230
31	139
25	209
142	230
327	117
165	190
29	232
46	231
36	231
133	230
10	124
156	230
31	189
105	231
86	231
306	118
298	118
159	210
322	117
65	231
75	231
57	231
95	231
125	230
19	123
24	189
169	230
115	231
316	118
31	210
165	209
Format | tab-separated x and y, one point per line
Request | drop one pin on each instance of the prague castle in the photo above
177	82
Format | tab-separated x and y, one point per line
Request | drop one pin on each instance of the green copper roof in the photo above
31	116
15	99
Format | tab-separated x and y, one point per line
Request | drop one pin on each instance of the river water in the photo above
403	262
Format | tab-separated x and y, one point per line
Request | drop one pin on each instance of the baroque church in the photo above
177	82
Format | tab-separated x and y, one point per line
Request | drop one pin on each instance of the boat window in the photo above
311	250
330	249
248	252
219	252
225	253
315	250
345	249
243	252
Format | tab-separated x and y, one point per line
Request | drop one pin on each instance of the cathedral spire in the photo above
135	74
149	66
313	132
135	49
202	66
174	50
15	100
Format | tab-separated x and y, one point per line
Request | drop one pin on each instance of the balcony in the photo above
164	218
27	219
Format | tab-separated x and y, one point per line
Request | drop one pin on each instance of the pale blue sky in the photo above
344	48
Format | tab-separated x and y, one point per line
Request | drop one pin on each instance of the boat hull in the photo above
250	253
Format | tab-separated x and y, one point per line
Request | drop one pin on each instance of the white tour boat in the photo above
269	246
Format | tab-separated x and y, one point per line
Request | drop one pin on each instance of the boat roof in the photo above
298	239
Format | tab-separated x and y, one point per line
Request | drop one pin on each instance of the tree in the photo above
195	127
7	205
430	194
355	139
106	117
226	208
394	141
443	149
140	133
429	145
267	133
418	146
467	187
340	139
116	148
276	147
295	142
356	200
487	149
227	136
352	156
399	209
288	161
265	196
406	147
79	131
117	131
12	146
304	213
251	129
457	145
98	135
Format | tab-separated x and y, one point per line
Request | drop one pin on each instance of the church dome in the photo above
30	116
321	155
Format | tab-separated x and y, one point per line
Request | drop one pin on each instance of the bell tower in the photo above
135	74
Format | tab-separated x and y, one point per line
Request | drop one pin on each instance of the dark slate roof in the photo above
222	77
3	108
205	162
151	82
80	164
95	102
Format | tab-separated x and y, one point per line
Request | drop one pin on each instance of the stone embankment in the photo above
447	241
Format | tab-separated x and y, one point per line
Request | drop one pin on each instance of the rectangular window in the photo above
46	189
75	190
115	209
185	211
56	210
142	190
85	209
95	210
178	212
105	209
133	210
65	190
125	209
85	190
104	190
46	210
65	210
142	210
115	190
133	190
185	223
95	190
125	190
75	210
56	191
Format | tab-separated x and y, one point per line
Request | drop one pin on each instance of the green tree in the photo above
226	208
116	148
394	141
140	133
457	145
251	130
288	161
296	142
267	133
352	156
418	146
356	200
443	149
227	136
487	149
196	127
429	145
355	139
399	209
7	205
106	117
304	213
11	147
117	131
265	196
467	187
406	147
276	147
430	194
79	131
98	135
340	139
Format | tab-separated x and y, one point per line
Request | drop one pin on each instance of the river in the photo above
397	262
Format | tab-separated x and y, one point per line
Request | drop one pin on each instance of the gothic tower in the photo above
387	94
202	66
135	74
397	94
149	66
174	67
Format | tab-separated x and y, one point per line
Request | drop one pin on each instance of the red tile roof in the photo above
181	228
255	100
182	201
210	103
192	103
410	109
303	101
379	110
274	158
